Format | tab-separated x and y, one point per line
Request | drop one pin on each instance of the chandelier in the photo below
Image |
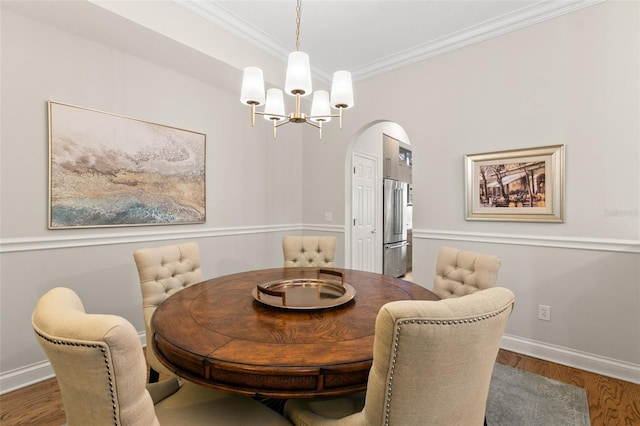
298	84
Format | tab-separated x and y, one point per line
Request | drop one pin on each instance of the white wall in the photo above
572	80
254	184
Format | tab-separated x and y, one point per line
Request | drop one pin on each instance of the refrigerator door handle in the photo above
395	246
397	205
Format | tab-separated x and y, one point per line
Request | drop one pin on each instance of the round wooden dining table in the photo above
216	333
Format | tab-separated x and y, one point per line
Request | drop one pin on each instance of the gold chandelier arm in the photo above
318	117
317	126
281	123
273	115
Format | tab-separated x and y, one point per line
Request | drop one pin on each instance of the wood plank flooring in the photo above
611	401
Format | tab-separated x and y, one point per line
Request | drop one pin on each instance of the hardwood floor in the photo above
39	404
611	401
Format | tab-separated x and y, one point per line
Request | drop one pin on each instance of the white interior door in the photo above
364	240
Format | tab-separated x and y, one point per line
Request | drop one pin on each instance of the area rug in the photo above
521	398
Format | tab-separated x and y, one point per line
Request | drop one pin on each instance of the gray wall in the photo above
571	80
254	185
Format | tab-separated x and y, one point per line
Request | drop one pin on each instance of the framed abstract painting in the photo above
109	170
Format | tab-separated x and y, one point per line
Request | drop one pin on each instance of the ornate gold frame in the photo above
536	173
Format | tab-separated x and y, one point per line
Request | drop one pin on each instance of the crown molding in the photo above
538	12
230	22
519	19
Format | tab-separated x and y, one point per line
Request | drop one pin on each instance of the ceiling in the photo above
375	36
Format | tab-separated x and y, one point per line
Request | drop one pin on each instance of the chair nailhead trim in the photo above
396	345
106	362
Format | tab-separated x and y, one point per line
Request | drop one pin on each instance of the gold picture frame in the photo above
524	185
108	170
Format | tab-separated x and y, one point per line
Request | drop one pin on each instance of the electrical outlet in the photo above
328	217
544	312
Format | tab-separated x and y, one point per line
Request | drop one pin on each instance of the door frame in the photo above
368	140
376	208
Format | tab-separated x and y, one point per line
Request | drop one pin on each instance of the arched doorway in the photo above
363	194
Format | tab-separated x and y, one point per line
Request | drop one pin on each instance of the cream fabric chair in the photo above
308	251
432	365
101	371
164	271
459	273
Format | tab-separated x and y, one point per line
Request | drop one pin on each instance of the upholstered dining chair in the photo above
308	251
101	372
459	272
432	365
164	271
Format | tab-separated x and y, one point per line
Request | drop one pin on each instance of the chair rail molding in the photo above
10	245
599	244
323	228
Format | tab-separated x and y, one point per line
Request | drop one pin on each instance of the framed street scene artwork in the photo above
524	185
109	170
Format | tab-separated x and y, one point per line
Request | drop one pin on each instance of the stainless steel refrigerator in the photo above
395	228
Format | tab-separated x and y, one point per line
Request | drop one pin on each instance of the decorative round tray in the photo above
305	293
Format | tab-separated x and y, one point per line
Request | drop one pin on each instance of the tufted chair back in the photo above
101	371
164	271
308	251
459	273
432	365
86	352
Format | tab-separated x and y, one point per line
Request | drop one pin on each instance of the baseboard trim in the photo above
581	360
34	373
25	376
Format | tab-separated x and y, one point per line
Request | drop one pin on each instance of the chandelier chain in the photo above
298	13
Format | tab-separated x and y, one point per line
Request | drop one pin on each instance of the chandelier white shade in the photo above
341	90
252	86
298	74
298	84
320	109
274	109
